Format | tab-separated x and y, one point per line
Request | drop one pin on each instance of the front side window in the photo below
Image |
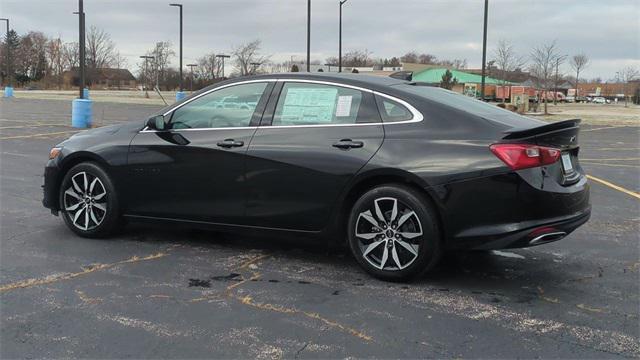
233	106
317	104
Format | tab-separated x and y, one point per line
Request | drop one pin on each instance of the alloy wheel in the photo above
389	235
85	201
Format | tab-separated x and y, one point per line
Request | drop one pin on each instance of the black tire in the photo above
99	223
423	220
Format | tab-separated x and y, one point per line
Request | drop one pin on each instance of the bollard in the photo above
180	95
8	91
85	94
81	113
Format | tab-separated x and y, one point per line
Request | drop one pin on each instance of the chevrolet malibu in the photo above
398	172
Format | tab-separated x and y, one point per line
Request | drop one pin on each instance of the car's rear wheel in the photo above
393	233
88	201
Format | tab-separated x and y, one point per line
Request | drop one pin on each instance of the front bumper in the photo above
50	187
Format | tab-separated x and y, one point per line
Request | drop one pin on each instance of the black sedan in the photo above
399	172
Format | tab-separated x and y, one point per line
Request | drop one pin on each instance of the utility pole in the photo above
222	57
559	59
484	48
340	38
9	65
81	48
180	6
308	35
191	66
146	81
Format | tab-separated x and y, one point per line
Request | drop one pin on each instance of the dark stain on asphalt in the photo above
303	282
274	281
230	277
337	292
199	283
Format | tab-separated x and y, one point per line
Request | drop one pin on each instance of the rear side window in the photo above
317	104
392	110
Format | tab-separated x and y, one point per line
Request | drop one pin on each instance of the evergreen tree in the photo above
448	81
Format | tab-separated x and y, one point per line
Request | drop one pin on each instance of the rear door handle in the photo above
229	143
348	144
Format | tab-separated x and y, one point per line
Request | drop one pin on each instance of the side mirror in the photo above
157	123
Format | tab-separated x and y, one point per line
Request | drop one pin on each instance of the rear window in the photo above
470	105
392	111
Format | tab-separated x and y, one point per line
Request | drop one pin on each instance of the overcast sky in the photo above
608	31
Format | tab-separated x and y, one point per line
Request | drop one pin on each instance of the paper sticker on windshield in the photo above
344	106
309	105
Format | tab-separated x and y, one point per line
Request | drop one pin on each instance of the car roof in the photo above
361	80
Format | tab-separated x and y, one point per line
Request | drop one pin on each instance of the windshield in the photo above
472	106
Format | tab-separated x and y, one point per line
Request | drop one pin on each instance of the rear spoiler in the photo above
562	133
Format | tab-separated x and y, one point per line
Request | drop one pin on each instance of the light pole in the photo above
222	57
255	67
308	35
559	59
340	38
81	46
329	67
8	54
484	48
180	6
191	66
144	84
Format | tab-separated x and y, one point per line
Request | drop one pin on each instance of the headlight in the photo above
54	152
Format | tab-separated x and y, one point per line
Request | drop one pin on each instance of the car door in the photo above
314	137
195	169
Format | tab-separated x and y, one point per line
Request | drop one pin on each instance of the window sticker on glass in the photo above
309	105
344	106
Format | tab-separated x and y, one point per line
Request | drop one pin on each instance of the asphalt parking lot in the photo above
155	291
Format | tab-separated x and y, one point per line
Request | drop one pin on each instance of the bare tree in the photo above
357	58
628	74
578	63
70	55
410	57
162	54
100	49
119	61
506	59
246	54
55	59
207	67
543	64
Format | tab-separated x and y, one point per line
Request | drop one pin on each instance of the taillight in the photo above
524	156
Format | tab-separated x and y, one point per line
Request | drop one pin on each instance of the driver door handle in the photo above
348	144
230	143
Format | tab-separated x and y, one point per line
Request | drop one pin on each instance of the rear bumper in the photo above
531	233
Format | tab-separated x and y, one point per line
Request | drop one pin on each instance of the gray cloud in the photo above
608	31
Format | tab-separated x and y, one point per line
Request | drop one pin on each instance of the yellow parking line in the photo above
620	148
613	159
614	165
604	128
38	135
614	186
30	126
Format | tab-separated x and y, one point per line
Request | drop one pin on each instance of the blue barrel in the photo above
81	113
85	93
180	95
8	91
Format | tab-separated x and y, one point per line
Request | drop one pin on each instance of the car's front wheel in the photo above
88	201
393	233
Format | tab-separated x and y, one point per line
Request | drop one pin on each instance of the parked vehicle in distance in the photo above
600	100
398	172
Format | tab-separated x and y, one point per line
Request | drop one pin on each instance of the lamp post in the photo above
144	84
81	46
222	57
484	48
340	38
191	66
10	82
559	60
329	67
180	7
308	35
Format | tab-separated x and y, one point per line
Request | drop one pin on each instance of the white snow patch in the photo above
508	254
